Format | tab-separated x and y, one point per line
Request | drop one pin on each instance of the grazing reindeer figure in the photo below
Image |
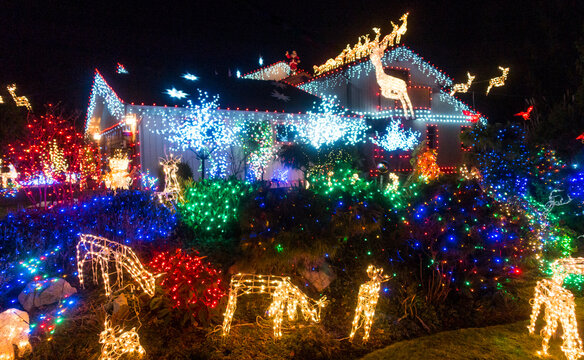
499	80
116	342
402	29
462	87
171	190
285	295
19	100
368	296
559	308
102	251
391	87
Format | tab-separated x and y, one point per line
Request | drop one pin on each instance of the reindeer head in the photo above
470	77
505	71
11	88
319	304
404	17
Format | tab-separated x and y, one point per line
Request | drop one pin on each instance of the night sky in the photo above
50	48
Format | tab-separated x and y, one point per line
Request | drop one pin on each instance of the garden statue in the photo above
368	296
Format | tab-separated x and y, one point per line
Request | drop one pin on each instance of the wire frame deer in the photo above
171	190
367	301
117	342
101	252
286	298
462	87
19	100
499	80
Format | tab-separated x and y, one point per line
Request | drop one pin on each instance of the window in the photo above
462	145
432	136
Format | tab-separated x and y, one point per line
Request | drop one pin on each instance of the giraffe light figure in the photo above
286	298
367	301
499	80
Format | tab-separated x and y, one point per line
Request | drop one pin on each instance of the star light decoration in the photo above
189	76
462	87
177	94
327	125
499	80
100	252
368	296
118	177
397	138
285	295
363	49
117	342
19	100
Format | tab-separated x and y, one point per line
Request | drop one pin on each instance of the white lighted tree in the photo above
397	138
203	131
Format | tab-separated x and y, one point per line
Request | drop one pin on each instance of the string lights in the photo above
177	94
396	138
499	80
117	342
101	251
462	87
285	297
19	100
171	190
118	177
14	332
367	301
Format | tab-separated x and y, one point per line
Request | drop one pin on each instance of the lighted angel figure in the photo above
286	297
368	297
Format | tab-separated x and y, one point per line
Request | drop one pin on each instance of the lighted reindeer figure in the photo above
171	190
368	296
117	342
19	100
285	295
462	87
559	308
391	87
499	80
100	252
402	29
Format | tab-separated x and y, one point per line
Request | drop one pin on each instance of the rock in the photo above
120	306
320	277
13	331
44	292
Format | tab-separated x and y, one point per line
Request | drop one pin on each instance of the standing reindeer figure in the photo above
462	87
368	296
559	308
402	29
286	297
391	87
101	251
171	190
19	100
116	342
499	80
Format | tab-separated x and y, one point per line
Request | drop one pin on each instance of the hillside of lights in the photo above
330	233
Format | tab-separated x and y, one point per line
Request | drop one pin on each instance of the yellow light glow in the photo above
117	342
100	252
472	174
14	332
9	176
368	296
1	100
285	296
462	87
130	119
171	190
96	136
559	308
363	49
19	100
393	183
499	80
118	177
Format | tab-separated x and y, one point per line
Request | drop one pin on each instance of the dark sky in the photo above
50	48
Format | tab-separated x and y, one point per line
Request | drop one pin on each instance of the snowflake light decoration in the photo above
177	94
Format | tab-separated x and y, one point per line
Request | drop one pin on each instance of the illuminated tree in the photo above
257	142
203	131
397	138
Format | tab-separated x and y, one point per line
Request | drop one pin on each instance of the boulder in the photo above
319	276
44	292
120	306
13	331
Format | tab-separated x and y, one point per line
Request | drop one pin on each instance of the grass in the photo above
501	342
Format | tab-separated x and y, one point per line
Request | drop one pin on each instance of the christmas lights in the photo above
1	100
113	103
397	138
425	166
177	94
121	69
190	77
276	72
525	114
118	177
14	332
559	308
367	301
462	87
19	100
101	251
499	80
393	184
363	49
171	190
117	342
285	297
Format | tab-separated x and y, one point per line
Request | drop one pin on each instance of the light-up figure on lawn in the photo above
368	296
171	190
117	342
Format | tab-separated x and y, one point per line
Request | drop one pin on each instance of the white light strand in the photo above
100	252
114	105
397	138
285	295
171	192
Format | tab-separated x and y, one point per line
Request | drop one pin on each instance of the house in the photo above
131	113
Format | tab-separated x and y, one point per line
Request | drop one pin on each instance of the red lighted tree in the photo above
53	160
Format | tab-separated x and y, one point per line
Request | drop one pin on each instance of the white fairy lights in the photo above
368	296
171	190
118	177
499	80
177	94
117	342
285	295
397	138
189	76
101	90
19	100
101	251
462	87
